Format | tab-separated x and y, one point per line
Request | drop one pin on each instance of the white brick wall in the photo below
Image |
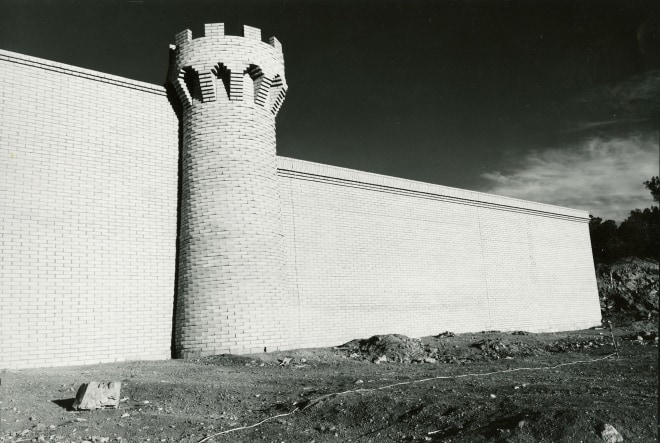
371	254
88	185
275	252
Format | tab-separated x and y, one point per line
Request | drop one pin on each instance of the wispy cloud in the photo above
602	176
615	108
590	126
605	158
637	95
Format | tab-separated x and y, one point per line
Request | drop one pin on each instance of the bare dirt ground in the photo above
399	389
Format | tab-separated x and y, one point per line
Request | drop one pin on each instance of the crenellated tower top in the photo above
226	68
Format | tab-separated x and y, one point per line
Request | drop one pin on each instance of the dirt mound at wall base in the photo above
467	348
394	347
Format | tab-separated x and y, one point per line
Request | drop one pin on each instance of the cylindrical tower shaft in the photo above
231	251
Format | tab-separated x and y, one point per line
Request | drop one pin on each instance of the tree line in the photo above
637	236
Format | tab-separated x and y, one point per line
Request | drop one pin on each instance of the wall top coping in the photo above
320	172
290	166
62	68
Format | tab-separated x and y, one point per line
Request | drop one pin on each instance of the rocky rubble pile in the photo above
465	348
628	289
391	347
498	348
575	344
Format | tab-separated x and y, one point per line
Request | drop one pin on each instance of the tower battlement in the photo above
214	30
228	69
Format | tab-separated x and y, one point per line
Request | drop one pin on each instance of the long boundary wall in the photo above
374	254
88	189
88	185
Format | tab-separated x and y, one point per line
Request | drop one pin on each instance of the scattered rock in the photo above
284	361
609	434
498	348
95	395
401	349
642	337
327	428
572	344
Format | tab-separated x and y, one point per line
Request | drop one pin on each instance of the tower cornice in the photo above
226	68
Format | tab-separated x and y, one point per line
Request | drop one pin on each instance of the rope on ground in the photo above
299	405
250	426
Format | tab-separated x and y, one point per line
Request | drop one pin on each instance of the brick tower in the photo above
231	278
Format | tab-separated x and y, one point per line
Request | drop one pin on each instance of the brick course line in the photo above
62	68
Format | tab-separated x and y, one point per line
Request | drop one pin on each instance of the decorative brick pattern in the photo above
88	221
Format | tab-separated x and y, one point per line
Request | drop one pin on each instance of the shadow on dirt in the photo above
65	403
508	423
403	417
499	427
409	414
228	360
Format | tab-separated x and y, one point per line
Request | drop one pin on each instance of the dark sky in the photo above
553	101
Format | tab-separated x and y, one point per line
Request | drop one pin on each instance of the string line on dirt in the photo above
301	406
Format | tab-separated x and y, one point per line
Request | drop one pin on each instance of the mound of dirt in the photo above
469	348
394	347
628	289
